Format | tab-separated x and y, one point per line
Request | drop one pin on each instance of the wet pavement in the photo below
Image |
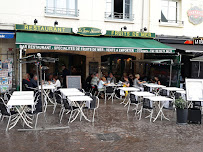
113	131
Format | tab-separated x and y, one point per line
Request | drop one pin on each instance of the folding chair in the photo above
58	100
146	105
5	112
109	91
133	101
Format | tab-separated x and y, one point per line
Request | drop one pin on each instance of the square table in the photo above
47	88
80	102
155	87
161	101
20	102
70	89
20	93
130	89
171	91
114	86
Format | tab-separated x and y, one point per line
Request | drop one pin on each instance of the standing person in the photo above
33	81
137	82
65	72
88	82
111	78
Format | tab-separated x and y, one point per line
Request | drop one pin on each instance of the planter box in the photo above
194	115
181	116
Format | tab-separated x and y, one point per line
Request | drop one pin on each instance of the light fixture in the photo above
35	21
143	29
55	23
124	27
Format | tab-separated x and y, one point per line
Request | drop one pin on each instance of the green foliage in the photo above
180	103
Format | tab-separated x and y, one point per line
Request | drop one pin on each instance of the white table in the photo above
70	89
161	101
114	86
172	90
130	89
154	87
74	93
47	88
139	95
80	102
20	102
20	93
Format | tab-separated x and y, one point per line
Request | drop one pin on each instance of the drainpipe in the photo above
149	15
20	71
142	21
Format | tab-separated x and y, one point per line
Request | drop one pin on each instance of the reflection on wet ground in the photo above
113	130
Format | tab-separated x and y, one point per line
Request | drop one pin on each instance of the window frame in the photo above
124	13
178	12
56	14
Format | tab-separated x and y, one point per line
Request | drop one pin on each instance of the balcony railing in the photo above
61	11
172	21
119	16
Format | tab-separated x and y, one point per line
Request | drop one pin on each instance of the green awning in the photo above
80	43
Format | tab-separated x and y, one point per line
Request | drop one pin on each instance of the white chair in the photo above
146	105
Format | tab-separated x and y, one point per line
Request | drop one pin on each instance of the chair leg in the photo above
36	120
151	115
70	116
62	115
141	112
54	108
105	97
93	116
128	107
8	123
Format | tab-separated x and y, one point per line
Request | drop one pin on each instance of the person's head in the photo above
50	77
97	75
137	76
103	79
35	77
130	76
63	66
156	78
124	74
110	75
55	77
26	76
126	78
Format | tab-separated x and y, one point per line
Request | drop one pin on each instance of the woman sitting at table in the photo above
156	79
126	82
137	82
56	81
102	83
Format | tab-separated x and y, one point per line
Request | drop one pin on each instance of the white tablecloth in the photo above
87	99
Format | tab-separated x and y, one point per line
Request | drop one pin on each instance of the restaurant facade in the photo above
107	36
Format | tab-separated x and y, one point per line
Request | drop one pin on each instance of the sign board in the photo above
89	31
38	28
73	82
94	49
194	89
6	35
198	41
130	34
195	15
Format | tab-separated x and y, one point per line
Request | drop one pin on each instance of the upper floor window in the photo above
170	11
62	8
119	9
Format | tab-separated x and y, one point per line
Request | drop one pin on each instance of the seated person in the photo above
111	78
126	82
131	78
157	81
56	81
34	82
101	85
26	80
137	82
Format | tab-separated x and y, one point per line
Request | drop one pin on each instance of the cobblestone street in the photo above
113	130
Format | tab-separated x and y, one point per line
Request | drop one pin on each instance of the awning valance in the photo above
197	59
80	43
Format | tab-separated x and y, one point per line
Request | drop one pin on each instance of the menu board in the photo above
6	71
194	89
73	82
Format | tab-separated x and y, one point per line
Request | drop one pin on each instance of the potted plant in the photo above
181	111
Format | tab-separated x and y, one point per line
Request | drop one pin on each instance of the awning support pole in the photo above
171	68
21	52
199	69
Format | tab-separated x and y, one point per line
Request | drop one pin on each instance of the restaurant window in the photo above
170	11
62	8
119	10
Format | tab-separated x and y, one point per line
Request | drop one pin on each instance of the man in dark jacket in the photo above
33	82
65	72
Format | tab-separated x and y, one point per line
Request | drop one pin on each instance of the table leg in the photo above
160	106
